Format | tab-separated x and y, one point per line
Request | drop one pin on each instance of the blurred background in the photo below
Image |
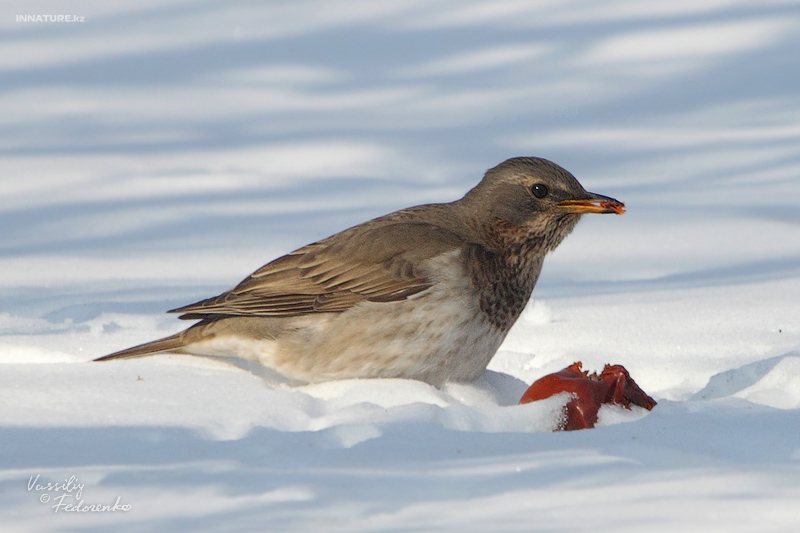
156	152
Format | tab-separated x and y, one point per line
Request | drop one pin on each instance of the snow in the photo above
158	152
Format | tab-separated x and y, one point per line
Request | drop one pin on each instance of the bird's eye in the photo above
539	190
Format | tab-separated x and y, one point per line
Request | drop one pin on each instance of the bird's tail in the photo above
167	344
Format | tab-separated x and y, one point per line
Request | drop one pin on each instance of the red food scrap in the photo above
617	207
613	385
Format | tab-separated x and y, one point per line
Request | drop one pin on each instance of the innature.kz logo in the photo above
50	18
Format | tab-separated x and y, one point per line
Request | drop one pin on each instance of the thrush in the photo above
425	293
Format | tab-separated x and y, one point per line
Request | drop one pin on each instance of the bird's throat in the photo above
504	283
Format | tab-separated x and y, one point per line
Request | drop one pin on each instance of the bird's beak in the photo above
596	203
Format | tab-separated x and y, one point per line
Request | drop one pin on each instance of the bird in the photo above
425	293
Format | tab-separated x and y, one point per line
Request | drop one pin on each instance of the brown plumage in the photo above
428	292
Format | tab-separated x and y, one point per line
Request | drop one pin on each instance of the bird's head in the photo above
528	198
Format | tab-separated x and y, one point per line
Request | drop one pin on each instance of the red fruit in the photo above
613	386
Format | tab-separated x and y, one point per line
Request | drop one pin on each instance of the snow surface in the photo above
159	151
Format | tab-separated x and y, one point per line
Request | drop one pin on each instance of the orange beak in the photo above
597	203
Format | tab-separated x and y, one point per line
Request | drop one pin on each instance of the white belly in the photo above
435	336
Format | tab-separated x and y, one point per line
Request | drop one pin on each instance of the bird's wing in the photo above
364	263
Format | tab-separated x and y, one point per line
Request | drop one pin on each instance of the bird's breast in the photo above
504	281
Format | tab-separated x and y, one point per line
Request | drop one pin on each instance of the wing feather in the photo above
380	263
